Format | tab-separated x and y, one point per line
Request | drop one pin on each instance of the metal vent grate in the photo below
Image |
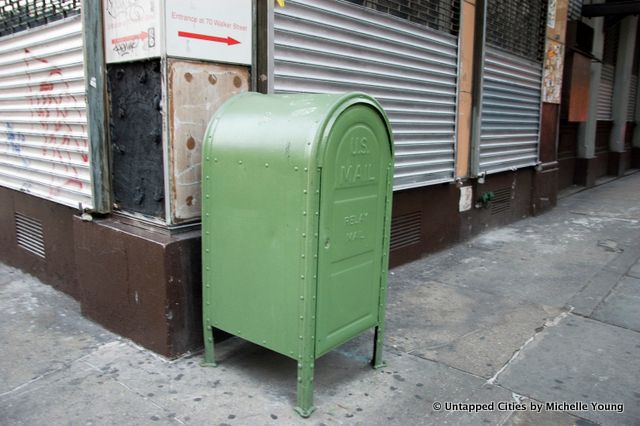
406	230
502	201
29	234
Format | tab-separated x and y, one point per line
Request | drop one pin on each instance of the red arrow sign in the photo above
228	40
140	36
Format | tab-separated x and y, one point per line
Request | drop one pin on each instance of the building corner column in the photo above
585	174
618	158
465	87
635	148
545	183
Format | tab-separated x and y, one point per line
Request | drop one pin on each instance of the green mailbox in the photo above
295	216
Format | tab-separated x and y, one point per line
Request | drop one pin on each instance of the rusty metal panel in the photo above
195	91
325	46
44	147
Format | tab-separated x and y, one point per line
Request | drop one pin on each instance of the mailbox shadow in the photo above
276	373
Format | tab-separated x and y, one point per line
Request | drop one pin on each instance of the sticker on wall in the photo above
552	74
131	29
215	30
551	13
466	199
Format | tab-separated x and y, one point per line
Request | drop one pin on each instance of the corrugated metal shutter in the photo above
605	92
633	93
609	58
575	10
330	46
510	123
43	122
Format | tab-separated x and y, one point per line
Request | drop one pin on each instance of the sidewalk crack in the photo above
549	323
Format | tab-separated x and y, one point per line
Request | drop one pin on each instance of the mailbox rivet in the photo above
239	161
210	339
304	191
300	337
266	164
313	318
207	158
315	234
304	213
301	317
302	277
208	303
301	297
206	177
299	365
315	256
208	286
317	213
306	169
206	250
315	276
304	235
295	168
303	255
207	196
215	159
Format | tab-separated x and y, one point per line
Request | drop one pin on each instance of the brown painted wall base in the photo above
618	163
635	158
57	268
586	172
545	188
426	219
142	284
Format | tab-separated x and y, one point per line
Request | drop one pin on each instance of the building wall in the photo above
142	280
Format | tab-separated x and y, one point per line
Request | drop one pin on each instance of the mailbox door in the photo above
353	192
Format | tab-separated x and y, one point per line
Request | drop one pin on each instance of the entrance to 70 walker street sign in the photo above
296	217
212	30
215	30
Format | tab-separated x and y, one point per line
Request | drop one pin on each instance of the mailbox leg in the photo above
209	354
305	406
378	338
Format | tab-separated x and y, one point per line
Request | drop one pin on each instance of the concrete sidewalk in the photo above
545	310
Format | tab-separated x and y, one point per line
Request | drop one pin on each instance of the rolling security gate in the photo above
511	86
43	122
607	77
332	46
